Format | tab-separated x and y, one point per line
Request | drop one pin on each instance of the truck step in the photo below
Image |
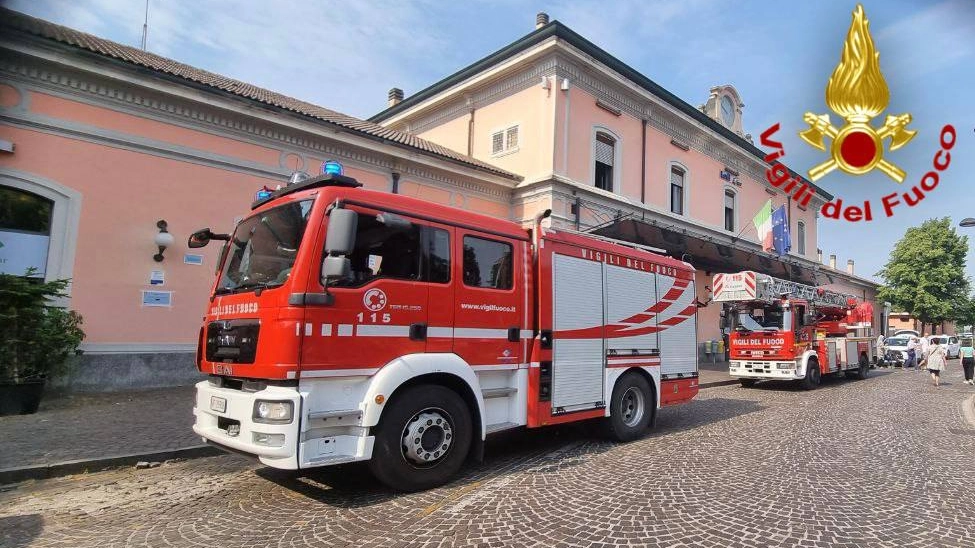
489	393
492	428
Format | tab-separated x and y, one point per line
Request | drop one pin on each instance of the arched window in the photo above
678	182
25	231
730	210
604	156
801	238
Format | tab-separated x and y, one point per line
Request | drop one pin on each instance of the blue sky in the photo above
779	55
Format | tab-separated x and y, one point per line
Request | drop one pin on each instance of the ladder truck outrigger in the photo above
784	330
350	325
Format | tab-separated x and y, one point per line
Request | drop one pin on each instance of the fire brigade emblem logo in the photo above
374	300
857	92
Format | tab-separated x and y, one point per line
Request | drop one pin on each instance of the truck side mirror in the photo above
342	224
335	268
202	237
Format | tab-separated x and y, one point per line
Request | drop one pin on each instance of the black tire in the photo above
631	409
813	375
861	373
414	413
747	383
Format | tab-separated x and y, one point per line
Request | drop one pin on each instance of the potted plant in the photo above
36	339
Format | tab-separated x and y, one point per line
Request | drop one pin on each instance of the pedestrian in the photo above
935	361
967	353
912	349
925	346
881	361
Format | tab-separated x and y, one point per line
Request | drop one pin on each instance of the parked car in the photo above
906	333
896	350
952	348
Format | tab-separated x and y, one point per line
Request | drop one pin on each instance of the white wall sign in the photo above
20	251
157	277
157	298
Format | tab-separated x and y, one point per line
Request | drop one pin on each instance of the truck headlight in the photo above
274	412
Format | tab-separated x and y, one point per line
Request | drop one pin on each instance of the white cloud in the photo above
931	40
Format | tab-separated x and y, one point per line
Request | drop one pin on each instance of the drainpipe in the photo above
470	134
643	164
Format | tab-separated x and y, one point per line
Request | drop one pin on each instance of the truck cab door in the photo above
378	314
490	310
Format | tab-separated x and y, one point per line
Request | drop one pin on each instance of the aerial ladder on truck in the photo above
786	330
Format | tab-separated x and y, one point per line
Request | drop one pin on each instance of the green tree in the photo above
925	275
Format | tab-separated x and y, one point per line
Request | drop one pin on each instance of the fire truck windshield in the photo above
765	318
263	248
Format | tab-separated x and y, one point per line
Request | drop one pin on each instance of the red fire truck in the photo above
787	330
352	325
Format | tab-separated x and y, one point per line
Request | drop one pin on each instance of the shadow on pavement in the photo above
544	450
20	531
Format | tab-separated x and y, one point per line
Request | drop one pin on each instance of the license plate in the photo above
218	404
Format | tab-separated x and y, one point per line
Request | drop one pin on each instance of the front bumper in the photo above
759	369
212	424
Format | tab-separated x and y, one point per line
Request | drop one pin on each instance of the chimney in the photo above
832	262
849	266
541	19
395	96
819	256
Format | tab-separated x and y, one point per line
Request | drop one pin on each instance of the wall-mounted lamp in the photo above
164	239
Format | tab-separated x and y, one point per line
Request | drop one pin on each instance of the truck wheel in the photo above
812	375
422	438
864	367
747	383
631	408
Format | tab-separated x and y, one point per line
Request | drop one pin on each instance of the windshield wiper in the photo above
247	286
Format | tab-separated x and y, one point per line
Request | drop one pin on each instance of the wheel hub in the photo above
427	437
631	406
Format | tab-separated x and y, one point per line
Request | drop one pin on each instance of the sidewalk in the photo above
87	432
114	428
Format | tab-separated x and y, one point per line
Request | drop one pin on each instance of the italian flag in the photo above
763	225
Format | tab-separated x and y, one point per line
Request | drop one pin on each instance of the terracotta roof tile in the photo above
19	22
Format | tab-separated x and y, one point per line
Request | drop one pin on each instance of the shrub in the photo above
36	337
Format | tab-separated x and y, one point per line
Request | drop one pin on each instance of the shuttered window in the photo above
677	190
505	140
729	210
604	153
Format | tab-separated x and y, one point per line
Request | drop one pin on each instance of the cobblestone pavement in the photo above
99	425
889	461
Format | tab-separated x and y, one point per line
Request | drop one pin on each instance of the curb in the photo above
65	468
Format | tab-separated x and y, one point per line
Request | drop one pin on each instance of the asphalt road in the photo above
889	461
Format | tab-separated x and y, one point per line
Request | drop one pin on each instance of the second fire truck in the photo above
352	325
785	330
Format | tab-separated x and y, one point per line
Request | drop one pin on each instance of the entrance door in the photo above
579	360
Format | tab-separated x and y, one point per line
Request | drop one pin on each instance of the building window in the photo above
677	176
729	210
605	157
487	263
505	140
25	231
801	238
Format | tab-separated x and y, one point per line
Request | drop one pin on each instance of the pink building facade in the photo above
107	140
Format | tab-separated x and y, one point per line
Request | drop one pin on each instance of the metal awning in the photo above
711	253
